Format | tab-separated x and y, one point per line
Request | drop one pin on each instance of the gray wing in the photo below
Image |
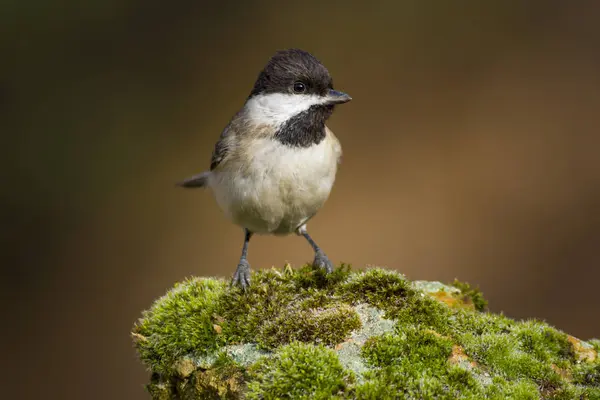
221	149
227	141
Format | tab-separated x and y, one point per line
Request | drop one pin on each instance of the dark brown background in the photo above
471	150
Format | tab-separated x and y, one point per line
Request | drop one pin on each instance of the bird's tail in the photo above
196	181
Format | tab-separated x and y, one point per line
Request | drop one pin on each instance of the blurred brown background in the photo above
471	150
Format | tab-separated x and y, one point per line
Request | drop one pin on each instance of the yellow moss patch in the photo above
458	356
184	367
138	338
583	352
452	300
214	382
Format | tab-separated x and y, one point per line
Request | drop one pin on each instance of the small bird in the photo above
275	163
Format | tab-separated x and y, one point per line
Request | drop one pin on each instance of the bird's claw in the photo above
241	278
321	261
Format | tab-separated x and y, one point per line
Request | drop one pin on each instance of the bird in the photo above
275	163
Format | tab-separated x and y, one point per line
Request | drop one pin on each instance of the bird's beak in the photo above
336	97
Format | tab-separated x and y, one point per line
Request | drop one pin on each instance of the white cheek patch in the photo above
276	108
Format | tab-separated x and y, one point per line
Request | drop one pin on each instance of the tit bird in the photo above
275	163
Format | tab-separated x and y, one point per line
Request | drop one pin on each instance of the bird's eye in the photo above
299	87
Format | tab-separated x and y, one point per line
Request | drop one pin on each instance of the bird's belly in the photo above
279	209
279	189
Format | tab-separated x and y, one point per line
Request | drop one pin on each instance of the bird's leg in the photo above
321	260
241	277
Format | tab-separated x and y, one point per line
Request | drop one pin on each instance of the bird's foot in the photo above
321	261
241	277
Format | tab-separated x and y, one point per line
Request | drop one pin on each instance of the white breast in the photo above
273	188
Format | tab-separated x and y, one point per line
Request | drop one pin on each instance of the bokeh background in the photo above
471	150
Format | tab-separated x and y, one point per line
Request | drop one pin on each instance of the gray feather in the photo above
222	146
196	181
220	152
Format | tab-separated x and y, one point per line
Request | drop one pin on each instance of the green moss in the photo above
310	278
471	295
367	335
283	307
525	350
158	389
419	348
328	326
464	321
500	388
587	374
179	323
505	356
242	314
390	292
416	365
299	371
386	290
543	342
426	312
413	364
589	394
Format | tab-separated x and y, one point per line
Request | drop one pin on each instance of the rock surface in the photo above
370	334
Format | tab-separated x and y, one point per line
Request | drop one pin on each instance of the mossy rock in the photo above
372	334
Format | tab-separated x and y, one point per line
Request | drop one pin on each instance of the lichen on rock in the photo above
368	334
